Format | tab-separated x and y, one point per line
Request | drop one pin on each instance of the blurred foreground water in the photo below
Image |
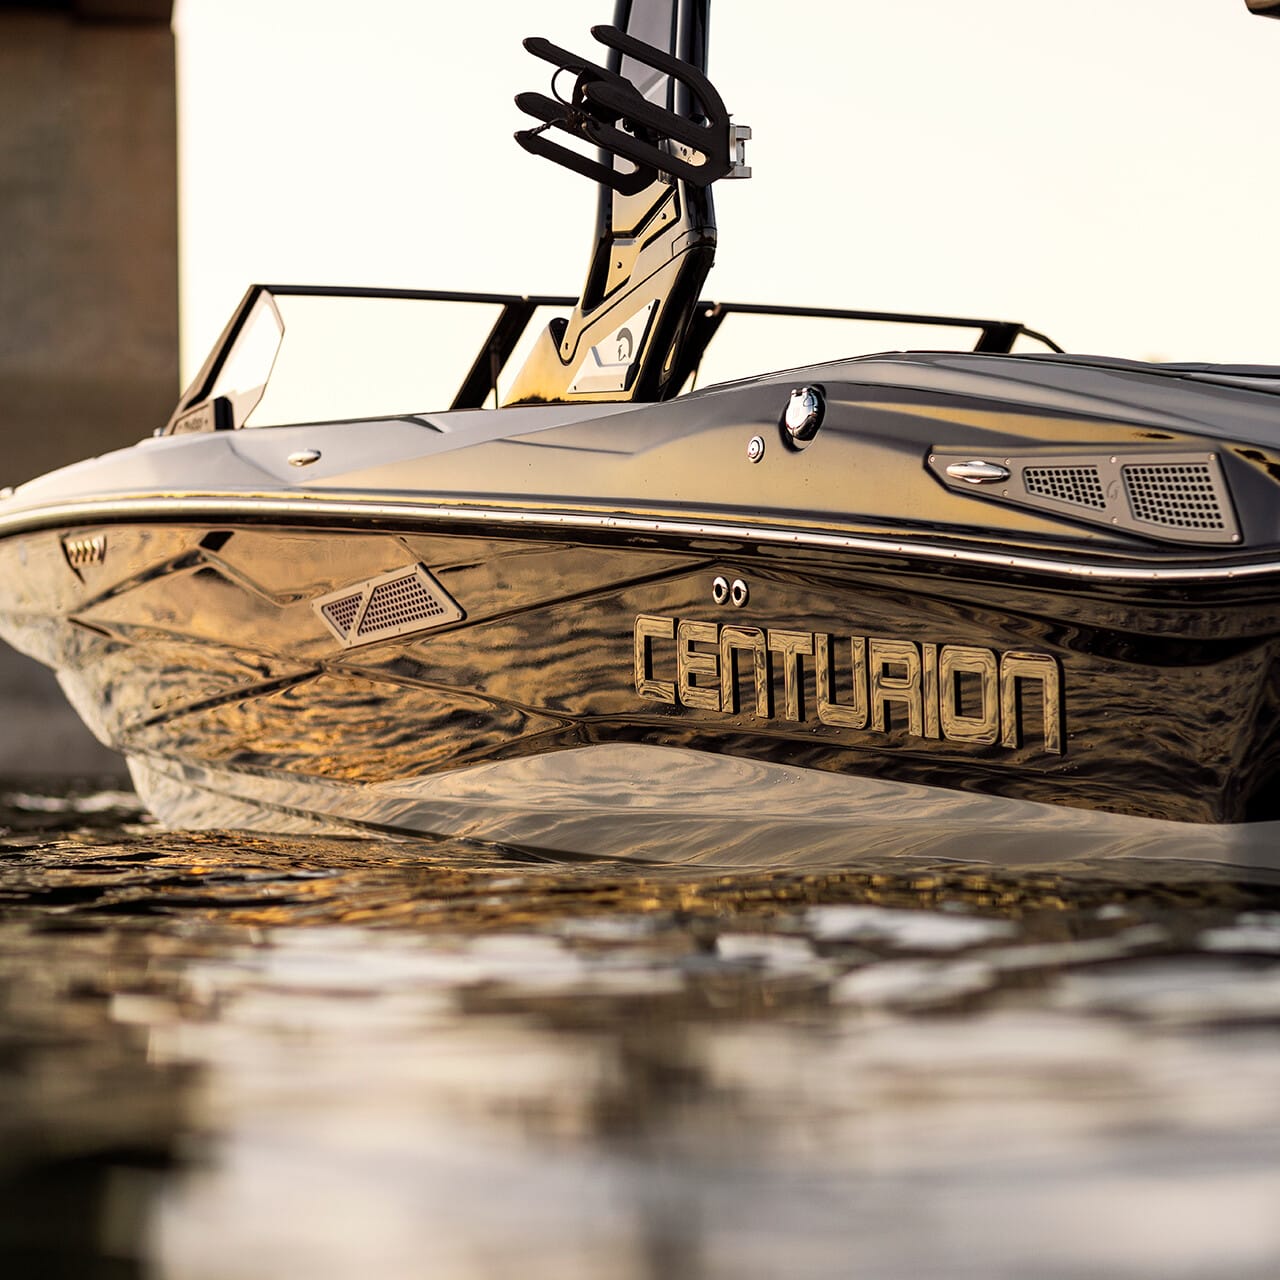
225	1056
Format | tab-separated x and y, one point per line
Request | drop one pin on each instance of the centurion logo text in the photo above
955	692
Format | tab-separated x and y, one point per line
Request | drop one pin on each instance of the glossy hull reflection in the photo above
671	805
619	697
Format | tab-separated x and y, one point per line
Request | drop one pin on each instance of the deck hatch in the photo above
397	603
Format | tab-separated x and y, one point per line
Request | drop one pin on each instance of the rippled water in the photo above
223	1056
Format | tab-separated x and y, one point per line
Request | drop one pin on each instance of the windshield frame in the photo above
995	337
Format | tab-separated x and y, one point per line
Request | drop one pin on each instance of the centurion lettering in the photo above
956	692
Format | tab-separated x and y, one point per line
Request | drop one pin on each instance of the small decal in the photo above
83	552
608	365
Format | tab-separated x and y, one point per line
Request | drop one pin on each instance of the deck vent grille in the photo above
398	603
1080	486
1174	495
1167	495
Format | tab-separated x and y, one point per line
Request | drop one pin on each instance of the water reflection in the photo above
226	1056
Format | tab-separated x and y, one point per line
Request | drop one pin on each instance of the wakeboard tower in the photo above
664	137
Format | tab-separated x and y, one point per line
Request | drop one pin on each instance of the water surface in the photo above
225	1056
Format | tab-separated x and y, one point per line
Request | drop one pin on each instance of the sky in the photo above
1102	170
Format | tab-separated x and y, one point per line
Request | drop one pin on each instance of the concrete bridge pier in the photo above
88	282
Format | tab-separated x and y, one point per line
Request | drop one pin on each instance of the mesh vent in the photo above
1152	492
1080	486
1178	495
398	603
341	613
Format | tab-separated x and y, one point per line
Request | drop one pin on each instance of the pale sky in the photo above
1102	170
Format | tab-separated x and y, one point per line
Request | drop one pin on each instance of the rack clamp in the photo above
608	111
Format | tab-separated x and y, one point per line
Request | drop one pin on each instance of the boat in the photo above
593	603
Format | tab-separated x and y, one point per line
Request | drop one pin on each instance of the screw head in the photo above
755	448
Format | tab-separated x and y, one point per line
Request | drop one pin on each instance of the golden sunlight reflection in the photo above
278	1056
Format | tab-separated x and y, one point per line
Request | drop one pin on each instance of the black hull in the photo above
197	649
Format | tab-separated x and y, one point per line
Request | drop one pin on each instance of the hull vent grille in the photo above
1174	495
341	613
393	604
1081	486
399	603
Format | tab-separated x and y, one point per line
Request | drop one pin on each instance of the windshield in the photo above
244	374
307	354
327	357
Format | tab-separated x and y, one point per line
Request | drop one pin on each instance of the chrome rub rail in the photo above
170	507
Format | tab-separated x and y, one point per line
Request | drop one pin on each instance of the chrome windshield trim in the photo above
258	506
